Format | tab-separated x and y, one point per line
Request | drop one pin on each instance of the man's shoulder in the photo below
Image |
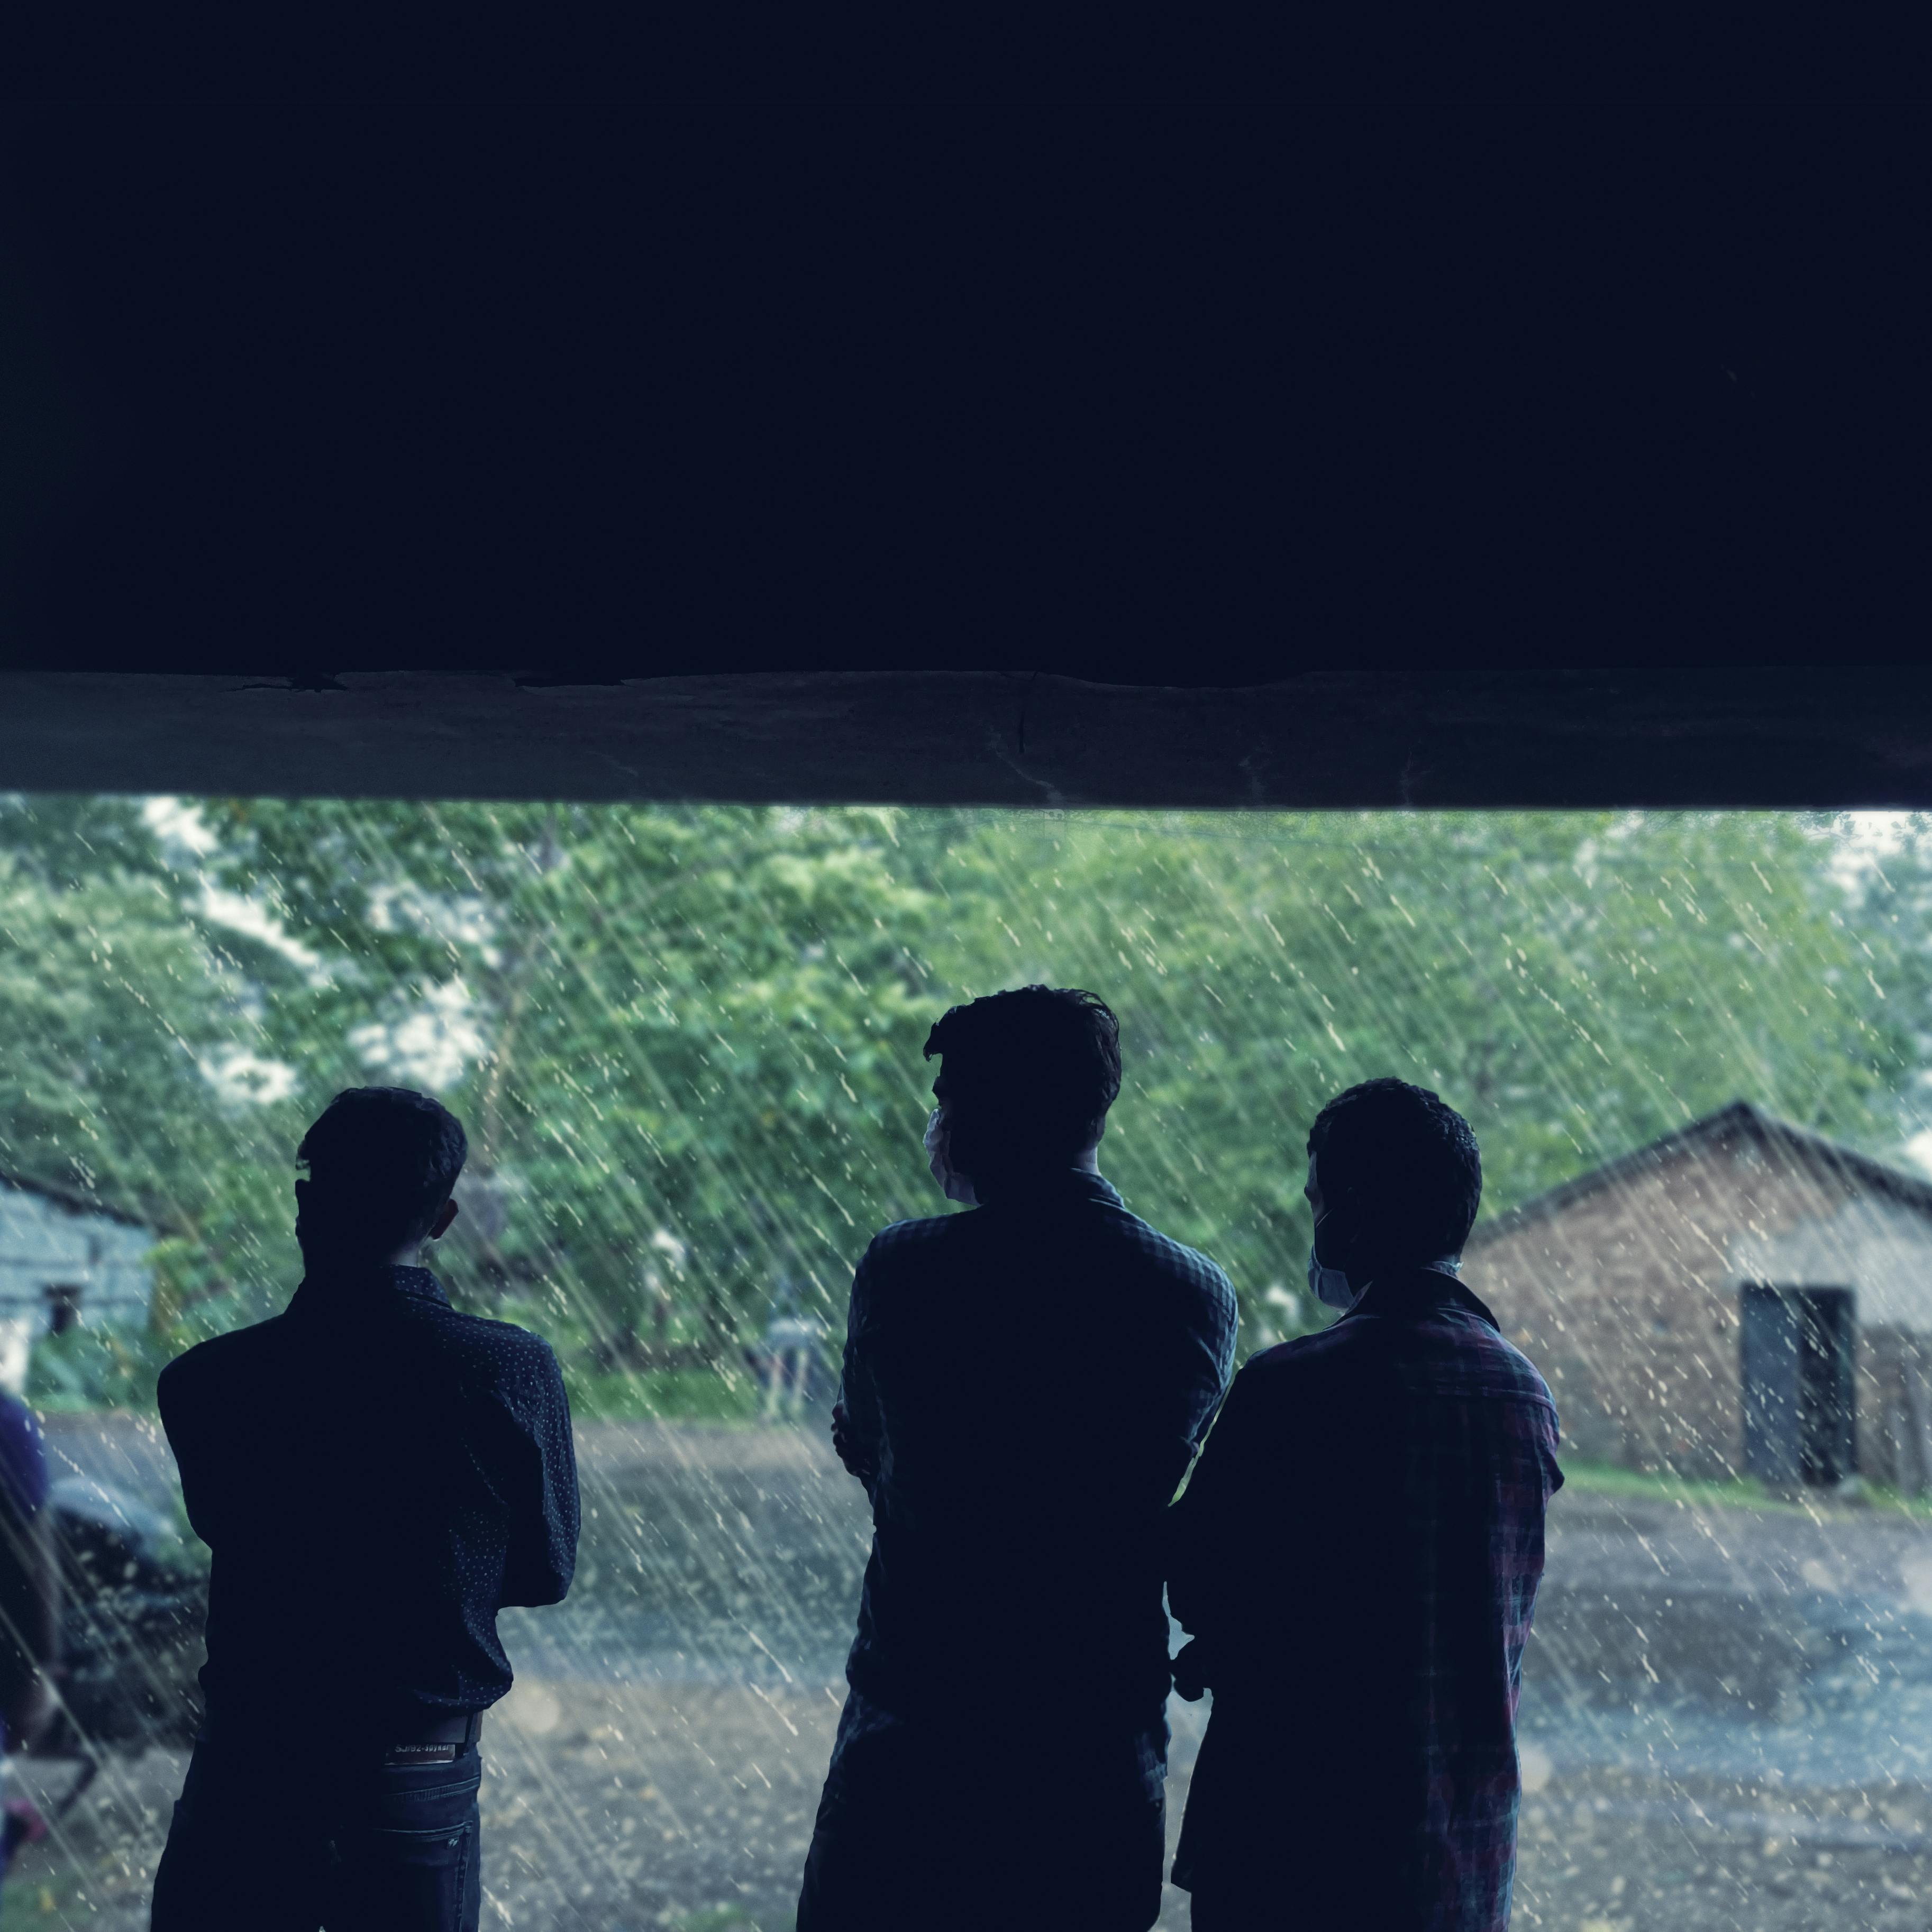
1467	1357
209	1381
1341	1349
488	1350
1301	1356
1498	1370
915	1241
901	1241
1172	1258
234	1352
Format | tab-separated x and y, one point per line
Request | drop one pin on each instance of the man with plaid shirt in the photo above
1001	1758
1357	1555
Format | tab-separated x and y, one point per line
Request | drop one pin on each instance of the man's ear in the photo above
446	1214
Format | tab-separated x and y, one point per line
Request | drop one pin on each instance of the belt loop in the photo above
473	1730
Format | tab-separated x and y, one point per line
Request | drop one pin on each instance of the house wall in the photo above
1627	1299
1895	1408
44	1244
1870	1242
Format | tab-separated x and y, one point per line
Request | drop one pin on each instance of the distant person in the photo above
30	1598
1357	1555
377	1476
1025	1386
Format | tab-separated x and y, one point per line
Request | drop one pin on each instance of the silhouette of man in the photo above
1001	1757
1357	1555
377	1476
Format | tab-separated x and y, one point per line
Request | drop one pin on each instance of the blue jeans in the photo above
283	1841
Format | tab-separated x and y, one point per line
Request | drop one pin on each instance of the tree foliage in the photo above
1576	984
686	1041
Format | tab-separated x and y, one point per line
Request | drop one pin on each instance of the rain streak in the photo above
685	1043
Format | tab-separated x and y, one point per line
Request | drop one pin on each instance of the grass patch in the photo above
34	1902
1608	1479
98	1368
1917	1507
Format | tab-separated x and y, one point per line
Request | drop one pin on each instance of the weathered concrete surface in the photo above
1736	1609
1675	734
127	1450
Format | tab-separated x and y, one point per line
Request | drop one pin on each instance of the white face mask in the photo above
1330	1285
954	1186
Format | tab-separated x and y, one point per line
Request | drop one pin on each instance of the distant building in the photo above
64	1261
1741	1296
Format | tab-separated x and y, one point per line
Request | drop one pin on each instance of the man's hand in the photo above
859	1461
1190	1671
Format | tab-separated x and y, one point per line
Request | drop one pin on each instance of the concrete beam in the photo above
1783	736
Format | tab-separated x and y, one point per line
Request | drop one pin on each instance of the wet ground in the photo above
1727	1717
624	1807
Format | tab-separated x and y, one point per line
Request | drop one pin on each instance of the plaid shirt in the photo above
1358	1554
1031	1379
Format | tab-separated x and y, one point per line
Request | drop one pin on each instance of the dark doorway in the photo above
1799	1397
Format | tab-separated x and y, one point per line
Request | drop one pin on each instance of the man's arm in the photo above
857	1431
1206	1351
545	1511
1205	1528
1207	1511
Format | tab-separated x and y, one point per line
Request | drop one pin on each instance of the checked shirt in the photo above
1357	1553
1033	1378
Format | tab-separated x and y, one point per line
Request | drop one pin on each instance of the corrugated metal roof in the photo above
72	1199
1740	1119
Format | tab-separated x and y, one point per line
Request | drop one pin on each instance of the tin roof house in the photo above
65	1260
1741	1297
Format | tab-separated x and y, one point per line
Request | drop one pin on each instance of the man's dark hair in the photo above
1406	1163
1029	1075
381	1161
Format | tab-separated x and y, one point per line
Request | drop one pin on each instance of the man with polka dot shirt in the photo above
376	1476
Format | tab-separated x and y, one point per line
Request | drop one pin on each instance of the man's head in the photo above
1394	1178
1025	1080
381	1162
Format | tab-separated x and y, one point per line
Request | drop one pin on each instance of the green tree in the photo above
131	1068
686	1040
1576	983
671	1033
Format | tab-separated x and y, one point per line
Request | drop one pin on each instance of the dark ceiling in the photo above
1164	352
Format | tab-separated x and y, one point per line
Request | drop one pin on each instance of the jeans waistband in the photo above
415	1739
